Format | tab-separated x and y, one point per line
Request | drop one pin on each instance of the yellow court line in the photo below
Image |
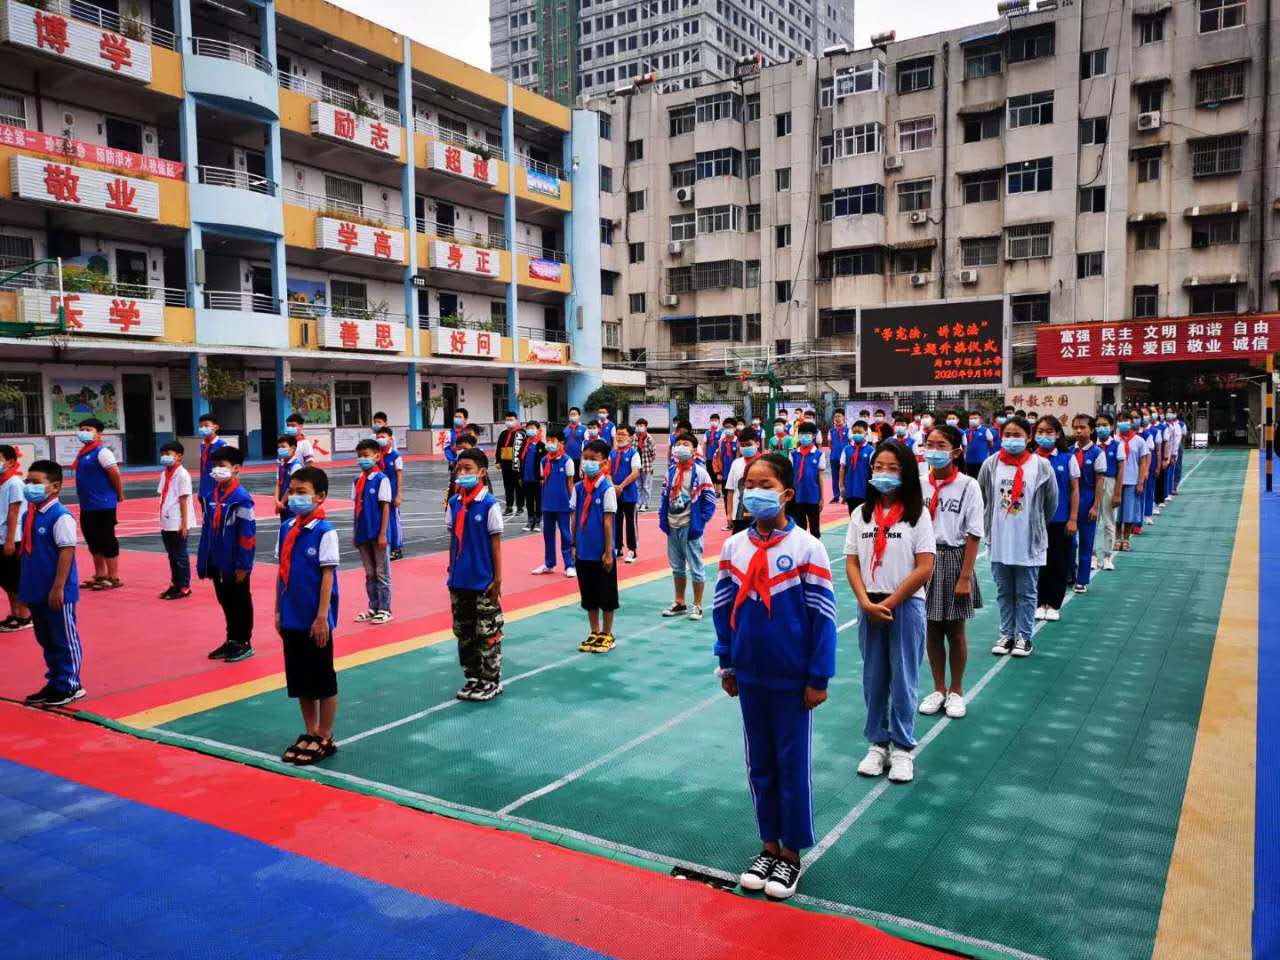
1208	894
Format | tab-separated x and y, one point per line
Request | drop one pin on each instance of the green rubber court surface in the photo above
1039	826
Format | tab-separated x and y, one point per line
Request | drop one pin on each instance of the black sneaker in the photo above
238	652
397	554
60	698
756	875
468	689
168	594
221	652
783	879
10	624
1003	646
1022	647
486	690
40	697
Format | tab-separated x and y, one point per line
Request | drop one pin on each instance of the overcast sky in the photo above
462	29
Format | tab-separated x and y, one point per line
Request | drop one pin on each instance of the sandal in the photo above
324	749
108	583
91	583
294	752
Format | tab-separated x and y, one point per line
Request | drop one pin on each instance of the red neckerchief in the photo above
88	447
382	457
1080	456
205	447
757	575
547	462
460	521
1015	494
682	468
1046	453
218	501
11	472
588	488
529	444
615	460
286	548
359	493
800	469
164	490
885	519
1125	440
937	488
28	525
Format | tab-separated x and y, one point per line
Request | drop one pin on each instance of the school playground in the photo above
1115	796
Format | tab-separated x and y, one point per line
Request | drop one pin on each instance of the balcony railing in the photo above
462	323
221	50
446	231
342	208
339	98
551	170
538	333
237	179
483	147
537	250
350	310
241	300
13	121
111	21
82	281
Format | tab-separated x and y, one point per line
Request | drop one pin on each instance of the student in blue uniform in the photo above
475	577
720	461
1155	449
979	443
711	446
595	509
902	431
855	464
48	584
392	465
776	643
210	443
287	464
458	429
605	425
371	501
837	440
557	504
1051	445
1133	458
1091	464
1112	490
13	510
228	538
575	436
624	470
307	613
99	489
531	454
809	461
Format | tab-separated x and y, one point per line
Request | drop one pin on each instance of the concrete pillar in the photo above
509	220
408	189
582	236
198	362
268	32
284	374
415	401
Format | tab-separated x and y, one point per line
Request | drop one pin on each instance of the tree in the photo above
528	400
612	398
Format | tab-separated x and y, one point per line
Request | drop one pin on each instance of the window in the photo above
1150	97
979	251
826	151
861	78
343	192
719	106
606	179
753	217
751	107
354	399
682	174
751	332
1093	130
1215	231
680	280
635	303
1031	44
635	150
857	140
915	75
350	298
915	195
782	235
1221	15
682	226
1211	299
782	124
853	201
725	162
1093	200
826	93
753	163
836	323
715	275
1029	241
1029	308
980	187
781	291
782	179
1146	236
635	252
866	261
1031	109
1088	265
751	276
1150	29
1146	301
915	134
1030	176
25	416
1148	162
982	62
13	108
606	125
983	126
1093	63
719	219
606	231
1219	85
607	280
680	119
1213	156
913	261
695	330
635	201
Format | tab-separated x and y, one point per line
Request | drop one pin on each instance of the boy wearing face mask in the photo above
575	436
781	441
475	577
557	504
371	497
979	443
48	584
809	461
287	464
392	465
749	450
855	464
595	509
228	539
210	443
13	509
648	457
100	489
176	518
837	440
624	470
307	449
604	425
531	454
510	442
688	504
458	429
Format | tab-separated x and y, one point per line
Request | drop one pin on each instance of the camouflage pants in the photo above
477	623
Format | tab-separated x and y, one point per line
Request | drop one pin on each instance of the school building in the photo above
267	206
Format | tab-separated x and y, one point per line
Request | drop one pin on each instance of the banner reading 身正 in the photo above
934	344
1099	349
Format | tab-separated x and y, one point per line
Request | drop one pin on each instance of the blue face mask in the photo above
1013	445
468	481
591	468
682	453
806	439
553	446
1046	443
1104	433
167	459
937	458
283	452
301	503
457	421
205	431
292	430
899	431
749	452
1001	420
1146	421
1124	426
885	482
859	438
85	436
762	504
364	463
33	492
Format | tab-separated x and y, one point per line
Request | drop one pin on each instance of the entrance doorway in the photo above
139	424
448	401
270	423
1224	394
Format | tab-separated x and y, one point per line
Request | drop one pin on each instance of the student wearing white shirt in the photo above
13	509
176	518
1091	463
889	557
1134	459
954	503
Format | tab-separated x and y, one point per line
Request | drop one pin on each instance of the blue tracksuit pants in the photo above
551	520
777	732
1086	532
891	655
59	640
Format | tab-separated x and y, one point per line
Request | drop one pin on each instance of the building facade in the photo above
262	207
569	48
1092	161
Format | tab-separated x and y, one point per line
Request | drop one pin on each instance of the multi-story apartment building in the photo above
567	48
281	205
1093	161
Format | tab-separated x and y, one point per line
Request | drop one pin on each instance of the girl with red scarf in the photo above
13	508
889	554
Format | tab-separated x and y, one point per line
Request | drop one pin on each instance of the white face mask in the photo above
220	473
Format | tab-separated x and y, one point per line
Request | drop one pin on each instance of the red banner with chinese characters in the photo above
74	150
1100	349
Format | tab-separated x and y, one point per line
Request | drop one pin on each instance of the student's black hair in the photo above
51	470
318	479
641	420
1087	418
228	454
532	423
1049	418
8	452
380	415
598	447
879	410
288	439
512	415
779	466
577	410
714	416
294	417
684	425
169	446
476	456
1017	413
621	426
555	433
958	414
469	437
955	438
1111	421
900	417
861	423
909	493
749	435
367	444
807	426
593	423
977	413
92	422
208	418
685	436
728	420
780	420
462	410
385	429
1020	422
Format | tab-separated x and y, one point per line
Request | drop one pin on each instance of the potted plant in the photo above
131	24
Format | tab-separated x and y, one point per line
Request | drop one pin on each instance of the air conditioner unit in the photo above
670	300
893	163
919	279
675	248
1149	120
684	195
918	217
968	276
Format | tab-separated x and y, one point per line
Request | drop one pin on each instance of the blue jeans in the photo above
377	574
891	655
1016	595
685	555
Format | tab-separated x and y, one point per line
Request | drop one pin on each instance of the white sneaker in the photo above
783	880
631	557
1093	563
1157	511
1040	611
695	612
1052	615
902	766
364	617
872	764
381	616
1108	563
540	569
956	707
570	572
1002	646
1080	588
932	703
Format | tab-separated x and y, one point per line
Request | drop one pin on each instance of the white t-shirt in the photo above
1010	534
960	509
171	504
106	459
305	451
1137	450
494	521
64	528
326	555
904	542
11	493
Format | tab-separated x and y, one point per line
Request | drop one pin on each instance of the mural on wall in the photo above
314	401
304	294
76	400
